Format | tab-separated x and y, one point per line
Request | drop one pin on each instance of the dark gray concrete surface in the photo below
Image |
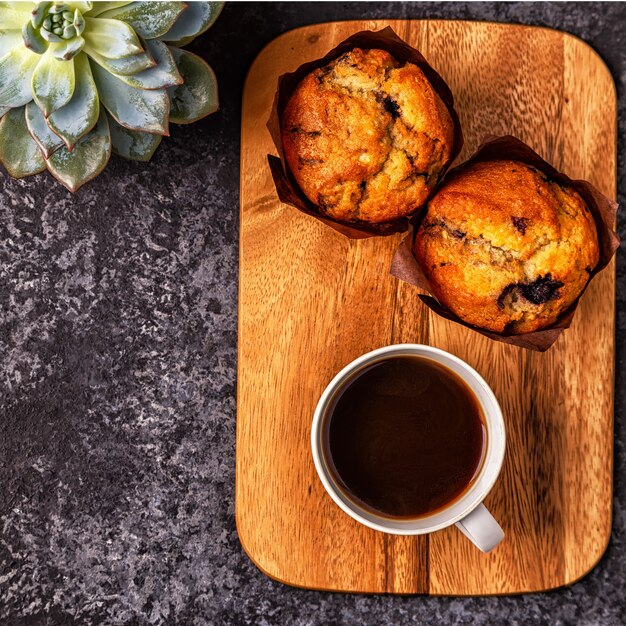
118	334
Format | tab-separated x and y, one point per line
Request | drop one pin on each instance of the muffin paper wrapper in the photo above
406	268
288	190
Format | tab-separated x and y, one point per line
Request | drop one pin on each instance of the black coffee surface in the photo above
406	437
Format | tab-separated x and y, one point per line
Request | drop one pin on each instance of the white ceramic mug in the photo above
467	511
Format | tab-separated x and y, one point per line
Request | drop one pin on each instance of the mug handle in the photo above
481	528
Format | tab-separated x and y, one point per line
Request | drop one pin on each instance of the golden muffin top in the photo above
367	137
505	248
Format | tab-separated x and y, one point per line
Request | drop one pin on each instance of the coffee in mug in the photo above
404	437
409	439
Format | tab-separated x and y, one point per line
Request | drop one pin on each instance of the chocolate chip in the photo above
458	234
362	184
539	291
588	270
520	223
505	292
392	107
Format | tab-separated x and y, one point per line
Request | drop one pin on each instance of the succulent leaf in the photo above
196	19
86	161
131	144
137	109
53	81
102	7
16	71
164	74
69	32
83	7
112	39
123	67
14	17
47	141
9	39
32	39
24	7
197	97
67	50
19	153
148	19
38	14
4	110
51	37
81	113
78	22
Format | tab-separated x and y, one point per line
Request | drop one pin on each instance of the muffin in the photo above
505	248
367	137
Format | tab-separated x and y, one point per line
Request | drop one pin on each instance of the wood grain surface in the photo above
311	300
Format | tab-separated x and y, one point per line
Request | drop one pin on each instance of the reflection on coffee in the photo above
405	437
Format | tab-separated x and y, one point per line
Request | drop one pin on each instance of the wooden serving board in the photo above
311	300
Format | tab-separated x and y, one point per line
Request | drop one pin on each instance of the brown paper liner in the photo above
406	268
288	190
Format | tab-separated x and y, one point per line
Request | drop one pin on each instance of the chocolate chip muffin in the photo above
367	137
505	248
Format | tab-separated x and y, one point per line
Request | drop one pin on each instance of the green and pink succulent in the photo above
80	80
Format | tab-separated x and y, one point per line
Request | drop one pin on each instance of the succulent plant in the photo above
79	80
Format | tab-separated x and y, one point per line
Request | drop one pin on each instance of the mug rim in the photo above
458	508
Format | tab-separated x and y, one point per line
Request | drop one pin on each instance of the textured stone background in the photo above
118	311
